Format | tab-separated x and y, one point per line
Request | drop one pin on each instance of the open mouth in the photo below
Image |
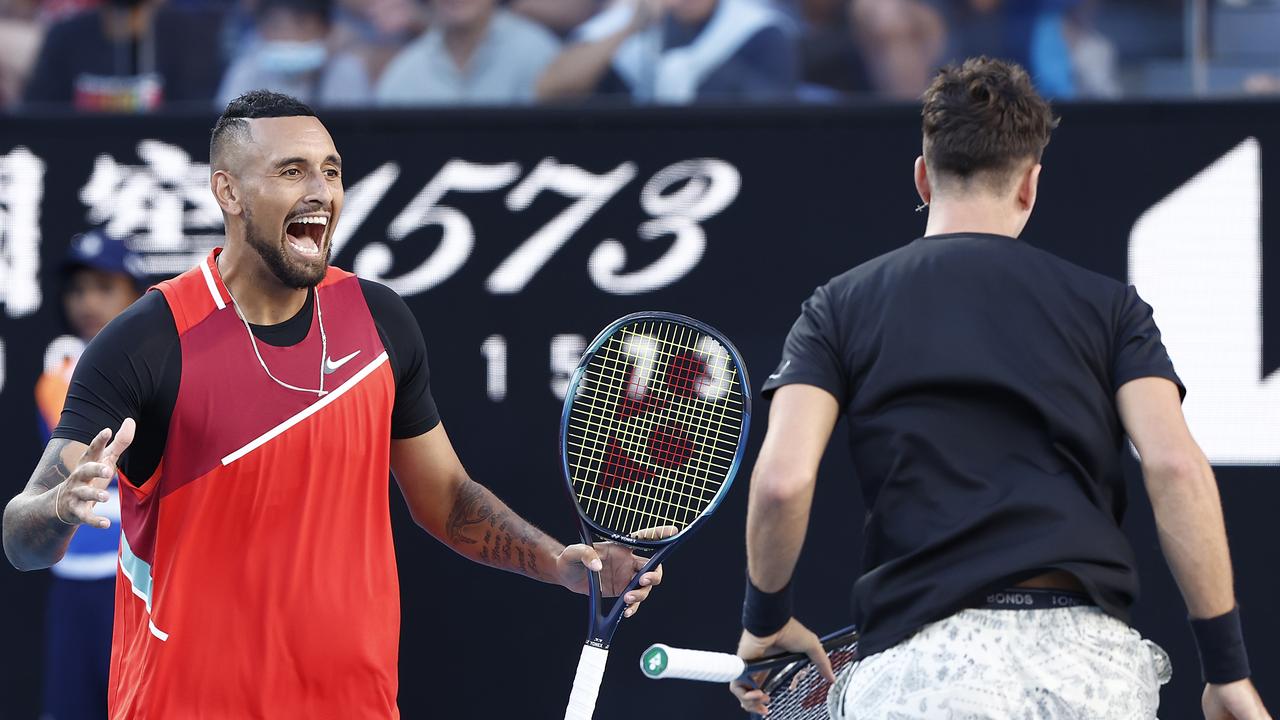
306	234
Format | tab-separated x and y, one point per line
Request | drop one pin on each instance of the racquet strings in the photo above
654	426
799	692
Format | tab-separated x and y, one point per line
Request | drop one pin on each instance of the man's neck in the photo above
258	293
123	24
696	15
985	216
461	41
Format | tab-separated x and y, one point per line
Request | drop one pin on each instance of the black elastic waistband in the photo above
1017	598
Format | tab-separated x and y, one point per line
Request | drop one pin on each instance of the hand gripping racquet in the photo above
796	691
653	430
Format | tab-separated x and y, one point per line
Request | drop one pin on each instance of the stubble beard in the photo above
274	254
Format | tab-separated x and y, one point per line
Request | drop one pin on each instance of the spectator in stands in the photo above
679	51
292	56
20	37
377	30
1031	33
100	279
474	53
128	56
901	43
560	16
1095	70
831	63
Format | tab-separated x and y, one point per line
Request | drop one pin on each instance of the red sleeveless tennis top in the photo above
258	577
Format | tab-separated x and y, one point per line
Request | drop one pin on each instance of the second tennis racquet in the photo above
796	690
653	431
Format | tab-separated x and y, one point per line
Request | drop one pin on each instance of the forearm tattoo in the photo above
499	536
32	538
51	470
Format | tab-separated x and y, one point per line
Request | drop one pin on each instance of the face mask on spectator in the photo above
291	57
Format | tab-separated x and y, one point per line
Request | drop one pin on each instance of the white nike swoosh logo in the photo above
781	370
330	365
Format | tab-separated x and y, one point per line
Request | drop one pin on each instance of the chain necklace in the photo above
324	346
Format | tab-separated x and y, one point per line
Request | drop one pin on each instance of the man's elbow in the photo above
15	558
781	486
1174	465
1184	472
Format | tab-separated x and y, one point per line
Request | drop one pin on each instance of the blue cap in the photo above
97	250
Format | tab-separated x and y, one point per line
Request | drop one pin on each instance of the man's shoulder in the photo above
145	328
406	67
383	301
877	265
148	314
514	32
1074	274
87	23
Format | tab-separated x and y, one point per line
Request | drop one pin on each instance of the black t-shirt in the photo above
978	375
133	368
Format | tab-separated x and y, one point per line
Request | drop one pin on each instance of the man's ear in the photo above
1028	186
226	191
922	181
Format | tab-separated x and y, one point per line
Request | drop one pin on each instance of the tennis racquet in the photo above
796	691
653	430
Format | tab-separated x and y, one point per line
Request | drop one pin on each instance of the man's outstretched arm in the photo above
68	483
1188	514
471	520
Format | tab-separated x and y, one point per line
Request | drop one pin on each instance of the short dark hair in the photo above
981	119
233	128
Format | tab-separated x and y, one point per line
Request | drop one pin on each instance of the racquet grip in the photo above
661	661
586	684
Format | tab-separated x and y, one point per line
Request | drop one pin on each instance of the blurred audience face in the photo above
462	14
294	41
901	41
283	24
93	297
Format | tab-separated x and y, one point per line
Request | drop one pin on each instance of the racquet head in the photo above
797	691
654	426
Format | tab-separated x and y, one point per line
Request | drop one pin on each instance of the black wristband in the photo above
763	613
1220	642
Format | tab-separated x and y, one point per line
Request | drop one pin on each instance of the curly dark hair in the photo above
233	128
982	119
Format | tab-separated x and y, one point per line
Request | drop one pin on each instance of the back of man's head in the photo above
232	127
983	122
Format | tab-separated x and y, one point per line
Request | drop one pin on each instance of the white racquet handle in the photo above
586	684
661	661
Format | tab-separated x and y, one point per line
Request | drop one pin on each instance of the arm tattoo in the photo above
469	509
501	538
51	471
32	538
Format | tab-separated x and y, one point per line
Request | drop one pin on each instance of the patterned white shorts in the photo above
1053	664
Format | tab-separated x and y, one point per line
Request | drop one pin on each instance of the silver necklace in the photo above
324	346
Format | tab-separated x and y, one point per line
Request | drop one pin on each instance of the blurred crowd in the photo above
142	55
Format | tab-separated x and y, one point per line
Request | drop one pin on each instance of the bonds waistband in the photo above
1018	598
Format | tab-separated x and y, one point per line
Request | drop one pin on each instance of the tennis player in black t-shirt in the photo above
989	388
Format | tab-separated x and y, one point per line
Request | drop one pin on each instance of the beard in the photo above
274	254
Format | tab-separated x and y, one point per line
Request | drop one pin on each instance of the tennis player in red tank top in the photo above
244	519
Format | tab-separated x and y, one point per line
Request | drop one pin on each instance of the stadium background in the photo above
754	208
